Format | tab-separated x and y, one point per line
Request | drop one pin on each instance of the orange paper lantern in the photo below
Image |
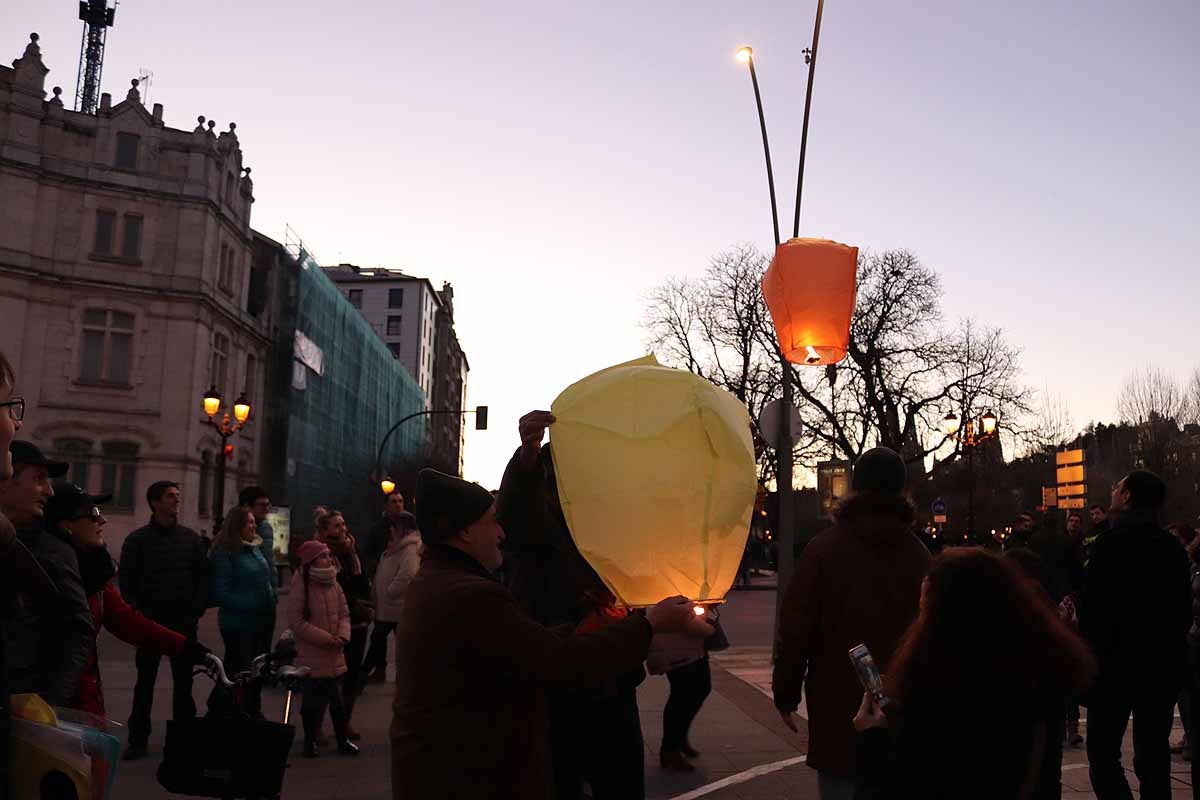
810	290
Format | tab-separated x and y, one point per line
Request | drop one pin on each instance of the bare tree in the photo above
905	368
1154	403
1150	393
1191	411
1051	427
715	327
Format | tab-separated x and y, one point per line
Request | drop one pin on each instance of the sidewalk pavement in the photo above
748	753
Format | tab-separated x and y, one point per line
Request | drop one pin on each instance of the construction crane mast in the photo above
97	19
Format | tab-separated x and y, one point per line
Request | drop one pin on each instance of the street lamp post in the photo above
970	435
784	460
386	484
226	428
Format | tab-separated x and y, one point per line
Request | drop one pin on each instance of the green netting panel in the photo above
338	419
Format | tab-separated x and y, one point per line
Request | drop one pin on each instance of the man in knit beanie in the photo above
869	566
472	668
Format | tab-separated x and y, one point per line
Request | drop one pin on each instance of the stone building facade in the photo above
450	368
125	268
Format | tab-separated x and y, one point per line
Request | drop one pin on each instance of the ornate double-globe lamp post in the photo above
226	428
970	435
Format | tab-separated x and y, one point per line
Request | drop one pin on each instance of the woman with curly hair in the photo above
974	682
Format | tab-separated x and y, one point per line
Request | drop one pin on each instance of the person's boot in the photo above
310	748
134	751
688	750
674	761
347	748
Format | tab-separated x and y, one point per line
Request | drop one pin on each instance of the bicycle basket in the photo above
222	757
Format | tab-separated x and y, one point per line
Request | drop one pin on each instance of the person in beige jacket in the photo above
397	566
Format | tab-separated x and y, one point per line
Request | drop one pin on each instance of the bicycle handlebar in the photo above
216	669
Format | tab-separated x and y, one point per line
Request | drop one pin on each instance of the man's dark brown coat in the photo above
857	583
470	712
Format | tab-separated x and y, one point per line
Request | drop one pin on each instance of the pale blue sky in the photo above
555	160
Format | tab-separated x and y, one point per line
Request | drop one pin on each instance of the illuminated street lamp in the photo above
386	484
796	348
226	428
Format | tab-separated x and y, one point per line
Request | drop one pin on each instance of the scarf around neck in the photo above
325	575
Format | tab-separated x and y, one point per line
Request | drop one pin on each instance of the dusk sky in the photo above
556	160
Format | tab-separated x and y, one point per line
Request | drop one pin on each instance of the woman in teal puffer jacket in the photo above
243	589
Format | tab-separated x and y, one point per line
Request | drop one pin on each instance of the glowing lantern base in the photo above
810	290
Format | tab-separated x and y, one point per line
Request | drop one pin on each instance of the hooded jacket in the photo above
321	638
858	582
397	567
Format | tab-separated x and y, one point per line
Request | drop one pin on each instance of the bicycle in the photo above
233	753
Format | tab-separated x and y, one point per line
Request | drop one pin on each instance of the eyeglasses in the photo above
94	515
16	408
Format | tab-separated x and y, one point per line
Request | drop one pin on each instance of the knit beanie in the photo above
311	550
447	505
879	470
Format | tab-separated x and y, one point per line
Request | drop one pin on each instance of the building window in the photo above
118	474
394	347
107	347
220	361
131	244
127	151
77	453
355	296
393	326
205	479
106	226
395	298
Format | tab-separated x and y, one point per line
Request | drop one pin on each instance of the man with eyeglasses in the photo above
47	644
19	569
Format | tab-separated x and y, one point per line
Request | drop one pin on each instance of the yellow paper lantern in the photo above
657	478
810	291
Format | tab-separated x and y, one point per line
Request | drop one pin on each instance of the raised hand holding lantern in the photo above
810	291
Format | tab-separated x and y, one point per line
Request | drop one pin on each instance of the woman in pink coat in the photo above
320	621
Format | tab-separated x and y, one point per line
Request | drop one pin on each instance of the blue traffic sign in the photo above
938	507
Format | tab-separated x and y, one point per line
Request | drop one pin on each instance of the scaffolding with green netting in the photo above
347	391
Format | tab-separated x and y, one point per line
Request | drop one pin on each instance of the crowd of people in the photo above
988	652
525	685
